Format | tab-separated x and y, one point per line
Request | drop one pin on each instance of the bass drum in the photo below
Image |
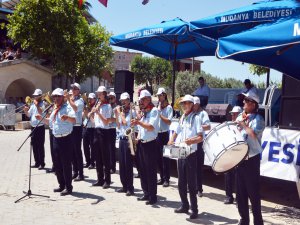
225	147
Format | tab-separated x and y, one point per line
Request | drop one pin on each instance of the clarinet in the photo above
89	118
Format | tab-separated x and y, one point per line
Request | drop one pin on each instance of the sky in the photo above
122	16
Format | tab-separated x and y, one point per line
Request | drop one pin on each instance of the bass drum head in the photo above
230	157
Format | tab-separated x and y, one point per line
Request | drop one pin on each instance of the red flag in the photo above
103	2
80	2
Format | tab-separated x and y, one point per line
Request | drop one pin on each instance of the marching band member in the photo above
200	153
62	119
52	169
230	175
77	104
112	132
165	117
148	129
189	131
123	118
88	133
102	113
252	126
38	136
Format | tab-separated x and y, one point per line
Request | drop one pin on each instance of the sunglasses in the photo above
56	96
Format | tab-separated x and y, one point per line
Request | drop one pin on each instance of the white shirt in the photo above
168	113
188	127
202	91
150	118
106	111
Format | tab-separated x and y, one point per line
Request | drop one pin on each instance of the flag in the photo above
80	2
103	2
145	2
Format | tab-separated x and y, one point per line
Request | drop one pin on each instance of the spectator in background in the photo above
8	54
18	54
203	92
249	86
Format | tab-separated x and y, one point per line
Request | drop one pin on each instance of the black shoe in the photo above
160	182
86	165
200	194
59	189
194	215
106	185
129	193
98	183
228	200
151	202
50	170
181	210
41	167
121	190
66	192
242	222
137	176
166	184
79	178
143	198
112	171
74	176
92	166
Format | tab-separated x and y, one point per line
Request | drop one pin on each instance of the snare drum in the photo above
176	152
225	147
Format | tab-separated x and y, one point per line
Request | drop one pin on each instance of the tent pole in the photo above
174	74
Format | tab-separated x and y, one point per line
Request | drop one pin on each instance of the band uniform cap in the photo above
252	95
101	89
58	91
112	94
160	91
124	96
187	98
92	95
196	100
236	109
75	85
37	92
144	93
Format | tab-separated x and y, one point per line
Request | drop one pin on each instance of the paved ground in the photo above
94	205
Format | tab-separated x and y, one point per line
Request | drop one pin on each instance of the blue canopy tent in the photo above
275	45
244	18
170	40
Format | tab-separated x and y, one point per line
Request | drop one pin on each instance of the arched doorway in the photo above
19	88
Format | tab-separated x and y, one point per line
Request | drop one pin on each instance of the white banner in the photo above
281	153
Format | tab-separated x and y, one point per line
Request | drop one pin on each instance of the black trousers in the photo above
51	148
101	146
77	153
37	142
200	162
63	150
126	165
137	158
148	160
163	162
248	185
187	177
112	148
88	147
229	183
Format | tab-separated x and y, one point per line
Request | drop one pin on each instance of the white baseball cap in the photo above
144	93
92	95
236	109
160	91
58	91
112	94
187	98
75	85
101	89
252	95
124	96
37	92
196	100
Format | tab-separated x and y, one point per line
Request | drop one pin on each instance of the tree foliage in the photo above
258	70
150	70
57	30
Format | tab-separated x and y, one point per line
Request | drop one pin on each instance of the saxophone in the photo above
130	134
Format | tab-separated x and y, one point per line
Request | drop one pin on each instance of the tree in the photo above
260	70
150	70
56	30
186	83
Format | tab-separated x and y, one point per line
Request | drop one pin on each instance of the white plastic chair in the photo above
229	97
267	102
